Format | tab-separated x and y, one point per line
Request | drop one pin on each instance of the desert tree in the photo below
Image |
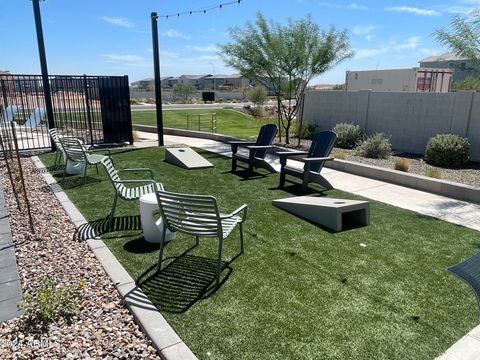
285	58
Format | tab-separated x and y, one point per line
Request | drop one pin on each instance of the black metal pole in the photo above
158	87
43	64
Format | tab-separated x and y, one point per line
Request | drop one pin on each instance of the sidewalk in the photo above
10	287
447	209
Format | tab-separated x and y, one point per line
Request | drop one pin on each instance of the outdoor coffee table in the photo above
328	212
152	229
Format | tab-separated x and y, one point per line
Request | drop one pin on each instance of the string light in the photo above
203	11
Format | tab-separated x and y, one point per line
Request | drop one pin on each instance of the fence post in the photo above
87	103
158	83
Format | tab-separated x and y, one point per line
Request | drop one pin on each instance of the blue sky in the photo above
113	37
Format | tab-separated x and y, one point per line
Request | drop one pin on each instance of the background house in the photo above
462	68
405	80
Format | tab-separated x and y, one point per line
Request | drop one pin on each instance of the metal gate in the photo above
96	108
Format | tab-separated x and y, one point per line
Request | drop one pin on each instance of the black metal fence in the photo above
96	108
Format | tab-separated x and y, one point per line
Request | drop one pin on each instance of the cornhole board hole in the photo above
328	212
186	158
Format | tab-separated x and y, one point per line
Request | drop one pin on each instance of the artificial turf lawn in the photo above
229	122
298	291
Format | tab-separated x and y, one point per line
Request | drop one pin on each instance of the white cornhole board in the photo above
186	158
326	211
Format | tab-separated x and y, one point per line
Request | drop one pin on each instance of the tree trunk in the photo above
279	118
300	118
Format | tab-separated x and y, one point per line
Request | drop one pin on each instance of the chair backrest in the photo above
9	113
55	138
192	214
112	173
35	118
265	137
73	148
322	145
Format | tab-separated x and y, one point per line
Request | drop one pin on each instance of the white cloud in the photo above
355	6
352	6
464	10
369	37
411	43
414	10
172	33
127	58
118	21
208	48
363	29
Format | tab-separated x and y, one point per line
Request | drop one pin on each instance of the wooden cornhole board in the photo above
186	158
328	212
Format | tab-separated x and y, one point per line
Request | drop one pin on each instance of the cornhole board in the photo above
186	158
328	212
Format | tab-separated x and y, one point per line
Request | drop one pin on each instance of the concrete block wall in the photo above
409	118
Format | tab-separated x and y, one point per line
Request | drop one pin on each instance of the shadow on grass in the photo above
182	282
99	227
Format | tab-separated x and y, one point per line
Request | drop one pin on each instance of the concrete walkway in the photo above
447	209
10	287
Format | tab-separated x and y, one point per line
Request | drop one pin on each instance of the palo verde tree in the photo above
464	36
285	58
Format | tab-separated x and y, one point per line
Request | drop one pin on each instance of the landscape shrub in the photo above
348	135
402	165
306	131
339	155
376	146
434	173
447	150
52	302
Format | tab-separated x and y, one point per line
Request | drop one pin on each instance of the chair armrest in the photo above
241	142
291	153
317	159
243	208
146	181
256	147
137	170
100	150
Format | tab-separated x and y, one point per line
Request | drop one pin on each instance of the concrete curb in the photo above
153	324
187	133
418	182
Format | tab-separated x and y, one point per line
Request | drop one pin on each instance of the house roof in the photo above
443	57
195	77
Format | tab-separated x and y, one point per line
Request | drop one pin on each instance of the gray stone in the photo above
9	309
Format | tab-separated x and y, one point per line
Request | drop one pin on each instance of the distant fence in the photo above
409	118
169	95
96	108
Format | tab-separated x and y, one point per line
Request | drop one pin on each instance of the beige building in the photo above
407	80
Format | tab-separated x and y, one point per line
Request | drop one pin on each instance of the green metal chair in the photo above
128	189
56	140
76	152
198	215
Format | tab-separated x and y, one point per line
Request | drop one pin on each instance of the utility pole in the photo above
43	64
158	82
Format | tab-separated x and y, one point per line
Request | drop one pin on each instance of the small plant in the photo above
52	302
376	146
434	173
339	155
447	150
348	135
402	165
305	131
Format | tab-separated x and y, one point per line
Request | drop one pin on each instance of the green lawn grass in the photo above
229	122
298	291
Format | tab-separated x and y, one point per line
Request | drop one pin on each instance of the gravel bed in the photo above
103	327
469	175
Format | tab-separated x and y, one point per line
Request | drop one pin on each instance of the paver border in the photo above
168	344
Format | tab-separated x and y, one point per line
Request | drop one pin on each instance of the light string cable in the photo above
203	11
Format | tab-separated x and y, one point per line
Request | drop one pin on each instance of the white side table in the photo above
152	230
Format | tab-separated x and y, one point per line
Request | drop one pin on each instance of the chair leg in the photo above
160	252
56	159
196	239
112	213
241	238
85	173
234	164
96	166
219	261
65	169
305	184
282	179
